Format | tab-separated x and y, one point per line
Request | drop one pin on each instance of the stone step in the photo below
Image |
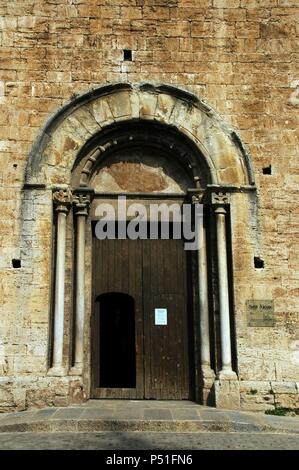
137	425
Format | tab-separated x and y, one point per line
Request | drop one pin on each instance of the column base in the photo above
207	383
227	374
57	371
207	372
77	369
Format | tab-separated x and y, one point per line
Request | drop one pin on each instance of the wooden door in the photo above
153	273
117	269
166	347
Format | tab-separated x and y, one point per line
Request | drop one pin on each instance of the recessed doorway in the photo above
142	326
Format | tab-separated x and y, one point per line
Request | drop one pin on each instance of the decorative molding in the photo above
92	161
33	186
230	188
151	136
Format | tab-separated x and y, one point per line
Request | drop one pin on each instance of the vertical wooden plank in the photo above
146	322
135	260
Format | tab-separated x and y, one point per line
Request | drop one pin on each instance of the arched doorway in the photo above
146	166
150	144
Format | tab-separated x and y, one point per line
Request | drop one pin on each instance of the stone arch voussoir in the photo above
54	154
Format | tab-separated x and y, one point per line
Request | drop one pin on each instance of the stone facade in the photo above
240	58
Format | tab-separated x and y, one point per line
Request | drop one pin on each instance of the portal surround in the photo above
194	137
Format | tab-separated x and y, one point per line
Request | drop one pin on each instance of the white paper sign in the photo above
160	316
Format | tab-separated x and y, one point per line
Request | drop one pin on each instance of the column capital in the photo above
62	199
197	199
81	202
196	195
220	198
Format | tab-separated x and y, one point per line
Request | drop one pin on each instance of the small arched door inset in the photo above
116	334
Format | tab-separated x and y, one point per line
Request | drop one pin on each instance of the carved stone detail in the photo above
220	198
196	198
197	195
62	199
81	203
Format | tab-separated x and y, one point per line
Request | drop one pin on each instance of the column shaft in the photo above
81	206
80	292
223	291
203	297
59	291
62	199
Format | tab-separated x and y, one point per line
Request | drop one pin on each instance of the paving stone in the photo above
185	414
98	413
67	413
208	416
240	417
129	413
157	413
46	413
292	425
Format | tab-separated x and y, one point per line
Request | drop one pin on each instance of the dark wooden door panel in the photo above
117	268
166	355
154	274
167	371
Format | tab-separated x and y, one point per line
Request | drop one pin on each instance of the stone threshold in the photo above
138	416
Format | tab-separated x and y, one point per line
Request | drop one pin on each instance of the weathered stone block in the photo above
227	394
61	401
120	105
284	387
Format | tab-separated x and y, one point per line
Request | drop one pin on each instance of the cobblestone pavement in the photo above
148	440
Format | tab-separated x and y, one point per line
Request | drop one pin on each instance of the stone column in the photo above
220	200
62	202
81	207
204	301
203	287
207	375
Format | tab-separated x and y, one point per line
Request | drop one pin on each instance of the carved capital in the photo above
62	199
220	198
81	203
196	195
196	199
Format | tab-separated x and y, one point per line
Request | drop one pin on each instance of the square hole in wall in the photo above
16	263
267	170
128	55
258	263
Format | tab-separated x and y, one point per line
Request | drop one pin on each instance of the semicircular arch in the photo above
57	150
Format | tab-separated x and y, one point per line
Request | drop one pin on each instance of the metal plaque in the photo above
160	316
260	312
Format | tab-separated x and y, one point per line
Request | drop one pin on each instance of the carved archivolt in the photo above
55	153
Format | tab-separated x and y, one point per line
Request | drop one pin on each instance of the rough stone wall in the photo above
241	56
